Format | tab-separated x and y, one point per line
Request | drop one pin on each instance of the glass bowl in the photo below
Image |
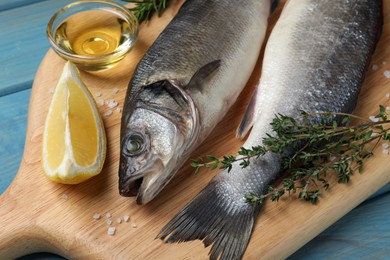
94	35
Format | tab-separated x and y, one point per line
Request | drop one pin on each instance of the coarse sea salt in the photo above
385	145
115	91
108	113
118	220
126	218
385	151
64	197
375	67
387	73
388	108
112	103
387	95
118	109
108	215
134	226
109	222
100	102
98	94
111	231
96	216
374	119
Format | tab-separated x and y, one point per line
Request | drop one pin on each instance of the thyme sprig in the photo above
144	9
323	148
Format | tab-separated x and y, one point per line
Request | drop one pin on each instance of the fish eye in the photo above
134	145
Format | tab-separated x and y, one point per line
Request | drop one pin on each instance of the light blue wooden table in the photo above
364	233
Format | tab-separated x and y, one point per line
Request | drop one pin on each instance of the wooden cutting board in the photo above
39	215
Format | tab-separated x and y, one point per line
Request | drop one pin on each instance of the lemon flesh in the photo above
74	141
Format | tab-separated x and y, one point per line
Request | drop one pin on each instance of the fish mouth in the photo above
130	188
144	184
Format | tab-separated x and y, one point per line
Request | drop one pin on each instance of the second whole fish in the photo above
183	86
314	60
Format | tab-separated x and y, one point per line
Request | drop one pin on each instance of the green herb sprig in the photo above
144	9
334	148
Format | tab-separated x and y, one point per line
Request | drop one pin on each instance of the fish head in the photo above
156	131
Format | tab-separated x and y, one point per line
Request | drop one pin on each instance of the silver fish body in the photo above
183	86
314	60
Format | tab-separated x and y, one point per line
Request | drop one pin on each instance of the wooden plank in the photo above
13	122
23	43
6	5
363	233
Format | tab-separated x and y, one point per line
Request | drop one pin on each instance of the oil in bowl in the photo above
94	35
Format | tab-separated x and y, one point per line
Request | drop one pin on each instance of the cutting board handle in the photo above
16	230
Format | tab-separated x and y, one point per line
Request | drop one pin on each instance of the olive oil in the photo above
96	33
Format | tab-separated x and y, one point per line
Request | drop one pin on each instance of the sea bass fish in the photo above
183	86
314	60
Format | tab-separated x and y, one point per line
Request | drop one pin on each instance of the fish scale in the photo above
314	60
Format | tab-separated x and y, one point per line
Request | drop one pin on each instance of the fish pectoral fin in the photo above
203	74
224	225
248	117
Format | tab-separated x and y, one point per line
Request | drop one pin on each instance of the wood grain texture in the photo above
21	27
6	5
36	217
13	118
370	242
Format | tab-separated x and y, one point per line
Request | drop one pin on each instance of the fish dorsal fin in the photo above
203	74
248	117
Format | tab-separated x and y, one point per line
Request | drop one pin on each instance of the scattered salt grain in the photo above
100	102
384	62
108	113
51	90
112	103
387	95
118	220
126	218
375	67
374	119
96	216
98	94
108	215
134	226
109	222
115	91
385	151
385	145
111	231
387	74
64	197
374	134
387	108
118	109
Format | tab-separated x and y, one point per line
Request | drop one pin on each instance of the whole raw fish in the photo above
183	87
315	60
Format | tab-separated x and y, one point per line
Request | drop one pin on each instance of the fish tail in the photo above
221	223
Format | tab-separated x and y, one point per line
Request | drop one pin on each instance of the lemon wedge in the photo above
74	140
